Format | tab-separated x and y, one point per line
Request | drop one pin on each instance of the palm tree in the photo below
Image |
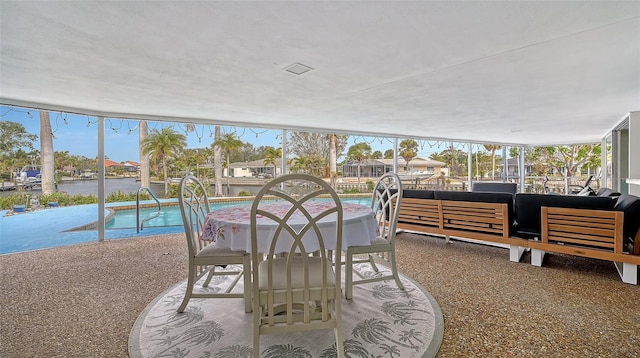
333	166
492	148
162	146
408	150
298	165
359	152
217	162
145	178
47	156
271	155
228	143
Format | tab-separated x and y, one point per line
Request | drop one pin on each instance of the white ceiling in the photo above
511	72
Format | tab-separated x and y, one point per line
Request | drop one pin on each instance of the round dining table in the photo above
230	227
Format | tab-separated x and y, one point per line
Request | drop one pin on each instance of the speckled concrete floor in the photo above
82	300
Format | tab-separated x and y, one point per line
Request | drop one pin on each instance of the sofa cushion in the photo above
494	187
607	192
630	205
499	198
420	194
528	207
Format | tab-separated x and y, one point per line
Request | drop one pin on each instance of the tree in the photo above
408	150
333	158
228	143
271	155
47	171
569	157
358	153
162	146
455	158
305	144
492	148
14	136
217	162
376	155
145	176
13	139
298	165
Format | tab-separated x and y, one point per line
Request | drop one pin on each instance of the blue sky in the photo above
78	134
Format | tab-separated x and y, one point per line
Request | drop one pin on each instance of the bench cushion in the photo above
630	205
528	206
500	198
420	194
607	192
509	188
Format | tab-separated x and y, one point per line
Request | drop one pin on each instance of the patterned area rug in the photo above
380	321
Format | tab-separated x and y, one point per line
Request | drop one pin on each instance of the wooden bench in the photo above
488	222
595	234
582	232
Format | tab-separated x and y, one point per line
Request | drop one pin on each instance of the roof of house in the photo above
415	161
256	164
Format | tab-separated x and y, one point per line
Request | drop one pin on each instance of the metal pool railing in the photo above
140	225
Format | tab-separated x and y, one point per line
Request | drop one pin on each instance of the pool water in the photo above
62	226
170	215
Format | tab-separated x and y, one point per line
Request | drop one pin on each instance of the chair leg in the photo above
338	330
348	272
189	291
372	262
394	269
212	271
257	314
247	284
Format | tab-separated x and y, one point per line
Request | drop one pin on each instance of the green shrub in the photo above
351	191
370	185
244	193
7	202
173	190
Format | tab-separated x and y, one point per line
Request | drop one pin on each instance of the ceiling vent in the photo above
297	68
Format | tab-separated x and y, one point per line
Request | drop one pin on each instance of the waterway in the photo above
125	185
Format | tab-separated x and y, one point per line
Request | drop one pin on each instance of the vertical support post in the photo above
521	169
603	162
505	165
284	155
395	155
101	180
469	166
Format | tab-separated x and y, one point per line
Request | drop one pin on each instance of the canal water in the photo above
125	185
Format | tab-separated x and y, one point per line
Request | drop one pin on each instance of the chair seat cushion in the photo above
214	251
297	273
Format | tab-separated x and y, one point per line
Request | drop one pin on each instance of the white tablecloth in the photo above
231	227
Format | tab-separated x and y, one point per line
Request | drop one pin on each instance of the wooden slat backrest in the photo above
420	211
592	228
476	216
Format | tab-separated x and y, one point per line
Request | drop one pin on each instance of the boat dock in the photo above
7	186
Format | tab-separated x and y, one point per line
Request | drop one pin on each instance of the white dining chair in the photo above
204	256
386	201
297	289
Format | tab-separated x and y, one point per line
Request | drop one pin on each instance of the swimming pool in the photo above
170	215
55	227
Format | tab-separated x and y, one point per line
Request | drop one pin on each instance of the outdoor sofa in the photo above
600	227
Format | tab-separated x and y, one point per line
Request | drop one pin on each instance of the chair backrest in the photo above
295	237
194	206
386	201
